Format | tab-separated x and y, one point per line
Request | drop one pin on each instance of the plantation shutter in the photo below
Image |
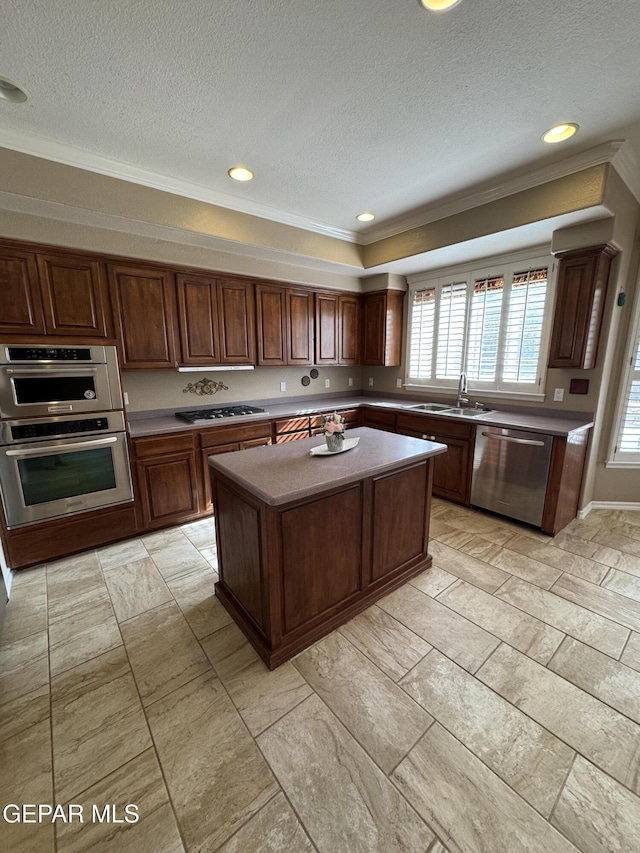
450	334
423	313
628	442
484	328
524	325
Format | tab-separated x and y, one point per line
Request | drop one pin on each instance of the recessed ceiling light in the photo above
365	217
438	5
10	92
561	132
240	173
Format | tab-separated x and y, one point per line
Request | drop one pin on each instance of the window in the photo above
492	323
626	451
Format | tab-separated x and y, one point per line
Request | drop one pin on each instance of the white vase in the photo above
334	442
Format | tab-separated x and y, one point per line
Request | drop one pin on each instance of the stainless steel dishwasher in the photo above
510	471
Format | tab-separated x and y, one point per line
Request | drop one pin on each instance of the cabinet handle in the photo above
513	440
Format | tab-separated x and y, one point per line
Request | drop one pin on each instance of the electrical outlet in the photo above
327	383
350	382
126	399
283	386
398	383
371	381
558	395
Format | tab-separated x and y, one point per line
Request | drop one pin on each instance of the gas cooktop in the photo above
223	412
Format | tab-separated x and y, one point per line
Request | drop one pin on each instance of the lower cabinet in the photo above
167	478
226	440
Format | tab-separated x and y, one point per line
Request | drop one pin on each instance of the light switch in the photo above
283	386
558	395
370	381
350	382
398	383
327	383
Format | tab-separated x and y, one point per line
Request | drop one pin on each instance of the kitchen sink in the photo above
466	411
429	407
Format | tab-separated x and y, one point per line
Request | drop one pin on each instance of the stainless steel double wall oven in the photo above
63	445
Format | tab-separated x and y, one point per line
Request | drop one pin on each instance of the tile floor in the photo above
492	704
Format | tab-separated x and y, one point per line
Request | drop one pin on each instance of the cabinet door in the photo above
299	327
452	470
237	311
382	328
327	330
146	316
349	330
168	488
271	324
20	302
75	296
198	317
206	471
580	296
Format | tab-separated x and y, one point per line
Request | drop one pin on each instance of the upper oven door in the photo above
49	479
48	389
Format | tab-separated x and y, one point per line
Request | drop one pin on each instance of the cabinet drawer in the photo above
159	445
434	426
380	416
228	435
292	436
291	424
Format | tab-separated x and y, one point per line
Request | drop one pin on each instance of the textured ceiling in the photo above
338	107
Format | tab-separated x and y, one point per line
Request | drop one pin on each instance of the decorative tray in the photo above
323	450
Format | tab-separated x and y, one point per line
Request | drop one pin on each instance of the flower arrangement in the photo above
334	426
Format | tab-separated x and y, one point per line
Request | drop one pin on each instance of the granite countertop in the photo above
282	473
532	420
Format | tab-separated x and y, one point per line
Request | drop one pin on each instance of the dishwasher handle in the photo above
531	441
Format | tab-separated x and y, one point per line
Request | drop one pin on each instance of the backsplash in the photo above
165	389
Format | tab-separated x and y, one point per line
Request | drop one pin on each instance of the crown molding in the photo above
69	155
604	153
627	166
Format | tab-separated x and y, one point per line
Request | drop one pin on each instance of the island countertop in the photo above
282	473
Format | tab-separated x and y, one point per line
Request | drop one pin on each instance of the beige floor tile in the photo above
98	722
196	595
528	758
74	584
476	547
582	567
260	695
632	531
472	543
121	553
385	641
467	805
526	568
623	584
24	666
606	679
433	581
607	603
343	799
201	533
584	625
82	636
466	521
25	777
597	814
468	568
453	635
275	829
602	735
526	633
139	783
177	560
618	541
384	721
160	540
631	654
162	650
578	527
26	611
24	711
600	553
211	556
215	773
136	587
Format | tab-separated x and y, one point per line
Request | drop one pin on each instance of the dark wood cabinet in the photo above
199	319
146	316
75	296
349	329
284	325
228	440
382	328
237	313
167	479
21	310
327	328
580	298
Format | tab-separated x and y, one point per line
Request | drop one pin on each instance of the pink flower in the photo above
331	427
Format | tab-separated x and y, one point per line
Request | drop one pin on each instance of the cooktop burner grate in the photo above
221	412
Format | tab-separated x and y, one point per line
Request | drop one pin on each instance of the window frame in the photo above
486	268
617	458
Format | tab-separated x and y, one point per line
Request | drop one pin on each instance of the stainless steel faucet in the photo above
462	398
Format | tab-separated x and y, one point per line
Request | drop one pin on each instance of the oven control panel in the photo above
49	354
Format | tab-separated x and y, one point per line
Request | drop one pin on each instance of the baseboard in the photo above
632	505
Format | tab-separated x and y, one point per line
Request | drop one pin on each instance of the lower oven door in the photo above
50	479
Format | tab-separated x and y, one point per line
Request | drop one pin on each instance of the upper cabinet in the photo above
349	329
237	314
146	317
382	328
327	328
284	325
59	294
199	319
581	290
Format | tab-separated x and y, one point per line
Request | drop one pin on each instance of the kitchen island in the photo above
306	542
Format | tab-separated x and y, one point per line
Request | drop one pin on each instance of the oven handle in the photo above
512	440
62	448
30	371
